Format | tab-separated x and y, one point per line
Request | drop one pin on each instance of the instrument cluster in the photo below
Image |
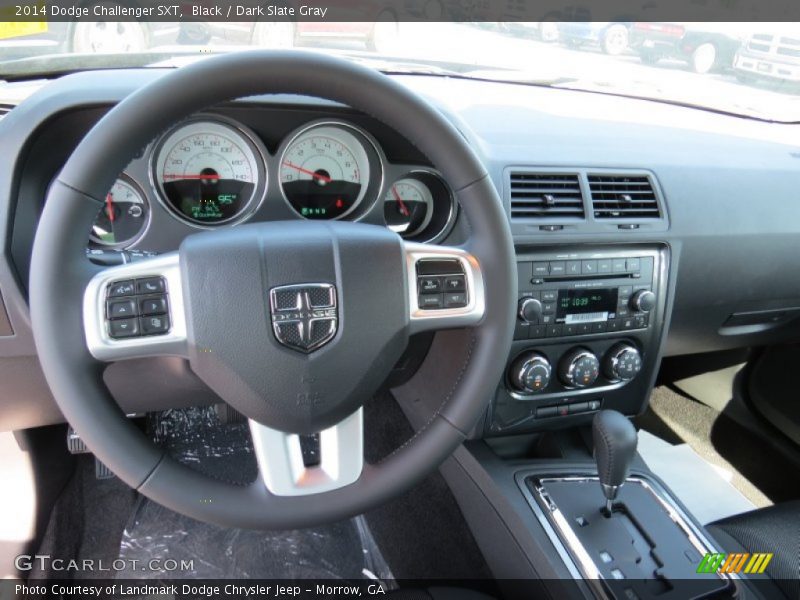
211	171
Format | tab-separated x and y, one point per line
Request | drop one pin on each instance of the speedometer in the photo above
324	172
210	172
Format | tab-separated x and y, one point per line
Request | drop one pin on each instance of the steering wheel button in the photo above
154	325
430	285
123	328
455	300
153	305
121	288
120	309
431	301
456	283
151	285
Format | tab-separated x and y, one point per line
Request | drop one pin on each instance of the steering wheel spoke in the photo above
445	287
136	310
284	470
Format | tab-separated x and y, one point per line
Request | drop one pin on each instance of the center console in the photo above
588	330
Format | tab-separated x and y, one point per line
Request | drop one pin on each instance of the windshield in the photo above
746	69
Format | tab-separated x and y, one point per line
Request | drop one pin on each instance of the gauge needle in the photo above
403	207
319	176
110	207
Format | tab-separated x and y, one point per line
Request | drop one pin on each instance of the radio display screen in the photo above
586	306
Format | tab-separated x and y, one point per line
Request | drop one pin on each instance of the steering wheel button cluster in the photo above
138	301
441	284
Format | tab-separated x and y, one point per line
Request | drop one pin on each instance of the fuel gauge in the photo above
123	218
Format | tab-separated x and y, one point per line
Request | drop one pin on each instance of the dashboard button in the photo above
550	296
599	327
431	301
549	308
123	328
121	288
573	267
633	264
578	407
537	331
570	330
541	269
455	300
555	330
121	309
154	305
584	328
151	285
456	283
628	323
558	269
604	266
546	411
156	324
614	325
618	265
589	267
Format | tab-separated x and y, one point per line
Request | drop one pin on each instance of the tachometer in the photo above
324	172
209	172
123	218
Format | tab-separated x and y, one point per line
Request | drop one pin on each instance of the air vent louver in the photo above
623	197
540	195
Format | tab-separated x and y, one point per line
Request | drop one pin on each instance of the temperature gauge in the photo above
408	207
123	218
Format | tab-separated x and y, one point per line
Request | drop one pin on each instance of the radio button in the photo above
555	330
604	266
629	323
600	327
618	265
614	325
430	301
589	267
550	296
584	328
624	293
642	321
549	308
634	264
570	330
622	311
573	267
541	269
558	269
547	319
537	331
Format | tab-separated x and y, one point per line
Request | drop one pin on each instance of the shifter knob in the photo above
614	448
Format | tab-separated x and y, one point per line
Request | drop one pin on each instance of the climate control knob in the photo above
622	363
530	373
643	301
529	310
579	368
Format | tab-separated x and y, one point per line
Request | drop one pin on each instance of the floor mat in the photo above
175	546
706	490
763	477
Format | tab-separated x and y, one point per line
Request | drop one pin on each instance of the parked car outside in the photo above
771	56
611	37
704	47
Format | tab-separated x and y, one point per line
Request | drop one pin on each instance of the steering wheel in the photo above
295	324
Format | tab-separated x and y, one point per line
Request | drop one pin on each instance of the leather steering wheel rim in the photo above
60	273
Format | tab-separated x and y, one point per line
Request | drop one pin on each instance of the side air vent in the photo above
623	197
542	195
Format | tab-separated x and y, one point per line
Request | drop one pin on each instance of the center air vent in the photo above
540	195
623	197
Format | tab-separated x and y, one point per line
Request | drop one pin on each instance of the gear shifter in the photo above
614	448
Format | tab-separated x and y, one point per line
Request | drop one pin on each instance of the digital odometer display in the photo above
207	172
581	306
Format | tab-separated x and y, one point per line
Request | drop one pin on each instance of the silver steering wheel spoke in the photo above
445	287
136	310
283	470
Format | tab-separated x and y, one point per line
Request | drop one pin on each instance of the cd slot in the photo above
598	277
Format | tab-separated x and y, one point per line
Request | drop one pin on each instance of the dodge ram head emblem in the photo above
304	317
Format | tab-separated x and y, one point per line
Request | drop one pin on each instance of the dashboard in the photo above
589	181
